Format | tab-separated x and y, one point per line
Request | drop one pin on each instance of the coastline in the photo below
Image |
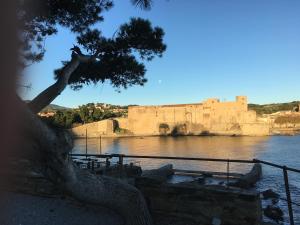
281	133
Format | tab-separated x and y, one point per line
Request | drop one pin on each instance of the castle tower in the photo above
243	102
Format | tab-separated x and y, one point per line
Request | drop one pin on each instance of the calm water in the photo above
284	150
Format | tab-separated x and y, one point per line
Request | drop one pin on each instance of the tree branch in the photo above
50	93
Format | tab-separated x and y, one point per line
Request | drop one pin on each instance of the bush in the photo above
272	108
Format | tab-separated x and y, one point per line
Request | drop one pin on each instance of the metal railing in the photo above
284	169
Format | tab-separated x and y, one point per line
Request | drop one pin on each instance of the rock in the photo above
201	180
159	175
207	175
267	194
249	179
274	213
275	201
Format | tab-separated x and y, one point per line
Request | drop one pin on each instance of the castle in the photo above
211	117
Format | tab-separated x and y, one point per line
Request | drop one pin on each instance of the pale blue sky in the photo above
216	48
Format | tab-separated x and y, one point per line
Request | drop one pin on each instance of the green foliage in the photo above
144	4
40	19
272	108
118	59
89	113
63	119
84	114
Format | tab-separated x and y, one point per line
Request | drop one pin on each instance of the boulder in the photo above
159	175
249	179
268	194
274	213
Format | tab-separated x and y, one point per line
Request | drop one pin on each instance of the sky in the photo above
215	48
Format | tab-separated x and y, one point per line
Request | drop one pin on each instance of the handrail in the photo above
285	169
164	157
188	158
278	166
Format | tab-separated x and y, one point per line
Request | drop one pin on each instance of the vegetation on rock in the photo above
274	107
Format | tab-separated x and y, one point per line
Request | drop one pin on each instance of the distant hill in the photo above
274	107
53	107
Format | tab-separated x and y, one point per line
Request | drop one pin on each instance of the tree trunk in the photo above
49	94
50	151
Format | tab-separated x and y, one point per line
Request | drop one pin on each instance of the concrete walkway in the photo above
22	209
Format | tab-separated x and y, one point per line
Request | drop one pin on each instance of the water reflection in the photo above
207	147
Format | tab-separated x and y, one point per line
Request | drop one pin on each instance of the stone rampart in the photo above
103	127
209	117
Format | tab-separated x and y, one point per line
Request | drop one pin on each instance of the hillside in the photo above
274	107
103	106
53	107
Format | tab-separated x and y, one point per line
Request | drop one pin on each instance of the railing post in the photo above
121	161
85	142
121	164
288	195
107	163
93	165
227	173
100	145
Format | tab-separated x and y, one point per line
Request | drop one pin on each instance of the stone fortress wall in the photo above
96	129
211	117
